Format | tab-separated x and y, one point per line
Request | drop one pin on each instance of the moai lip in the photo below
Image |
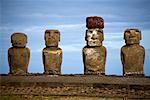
132	54
94	60
94	22
94	37
18	55
52	54
52	37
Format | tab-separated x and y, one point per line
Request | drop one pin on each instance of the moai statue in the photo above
94	53
132	54
52	54
18	54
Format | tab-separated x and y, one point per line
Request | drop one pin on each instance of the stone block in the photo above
94	22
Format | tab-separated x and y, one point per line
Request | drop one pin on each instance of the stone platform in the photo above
130	87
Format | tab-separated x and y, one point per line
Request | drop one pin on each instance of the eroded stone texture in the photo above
94	22
94	60
52	54
132	54
94	54
18	55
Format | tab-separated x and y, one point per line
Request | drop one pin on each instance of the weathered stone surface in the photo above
18	55
52	59
94	37
94	22
52	37
19	39
94	60
52	54
132	54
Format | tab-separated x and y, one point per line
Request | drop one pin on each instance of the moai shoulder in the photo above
52	54
133	54
19	54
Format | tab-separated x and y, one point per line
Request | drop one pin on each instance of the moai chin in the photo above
52	54
132	54
18	54
94	53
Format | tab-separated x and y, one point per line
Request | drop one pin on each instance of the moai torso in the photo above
94	54
52	54
132	54
94	60
18	55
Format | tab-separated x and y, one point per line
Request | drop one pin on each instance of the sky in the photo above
33	17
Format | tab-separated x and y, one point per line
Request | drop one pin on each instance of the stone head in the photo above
52	38
94	37
132	36
94	22
19	39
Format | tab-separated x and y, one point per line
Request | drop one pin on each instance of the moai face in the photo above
52	38
132	36
18	40
94	22
94	37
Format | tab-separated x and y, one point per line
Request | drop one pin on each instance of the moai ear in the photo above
126	31
139	35
58	33
86	35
